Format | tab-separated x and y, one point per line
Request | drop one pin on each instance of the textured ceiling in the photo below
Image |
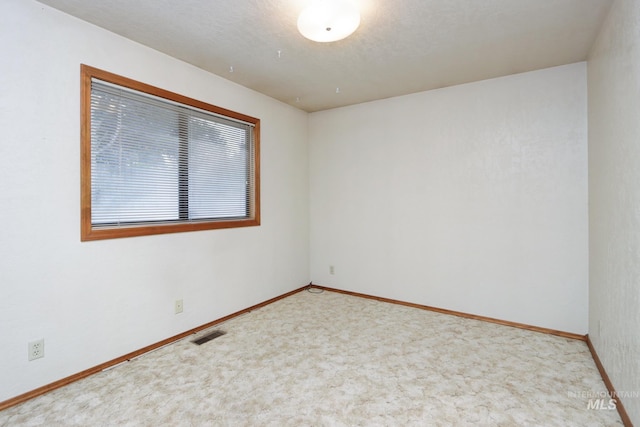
401	47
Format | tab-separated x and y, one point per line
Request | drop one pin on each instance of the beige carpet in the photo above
334	360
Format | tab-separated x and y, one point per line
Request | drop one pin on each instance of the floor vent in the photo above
210	336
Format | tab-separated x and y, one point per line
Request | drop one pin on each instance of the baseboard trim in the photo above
626	421
99	368
459	314
607	382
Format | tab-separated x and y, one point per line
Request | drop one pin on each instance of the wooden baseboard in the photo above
83	374
87	372
459	314
607	382
621	411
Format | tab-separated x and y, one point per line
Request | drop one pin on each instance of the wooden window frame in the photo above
88	232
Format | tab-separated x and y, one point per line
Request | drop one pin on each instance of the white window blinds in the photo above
159	161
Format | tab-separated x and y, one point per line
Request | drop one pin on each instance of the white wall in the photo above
470	198
95	301
614	199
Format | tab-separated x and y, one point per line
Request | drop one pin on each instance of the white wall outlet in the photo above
179	306
332	270
36	349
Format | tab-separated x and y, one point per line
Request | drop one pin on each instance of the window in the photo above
154	162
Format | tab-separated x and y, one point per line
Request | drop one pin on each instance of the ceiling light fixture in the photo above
328	20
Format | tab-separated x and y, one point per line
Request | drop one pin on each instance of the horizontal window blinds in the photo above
154	160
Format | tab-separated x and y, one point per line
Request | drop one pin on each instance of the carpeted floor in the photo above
329	359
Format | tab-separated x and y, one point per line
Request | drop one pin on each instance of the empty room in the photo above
320	212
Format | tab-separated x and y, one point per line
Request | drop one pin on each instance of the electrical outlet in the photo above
179	306
36	349
332	270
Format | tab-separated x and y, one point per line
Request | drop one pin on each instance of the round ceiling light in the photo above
328	20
